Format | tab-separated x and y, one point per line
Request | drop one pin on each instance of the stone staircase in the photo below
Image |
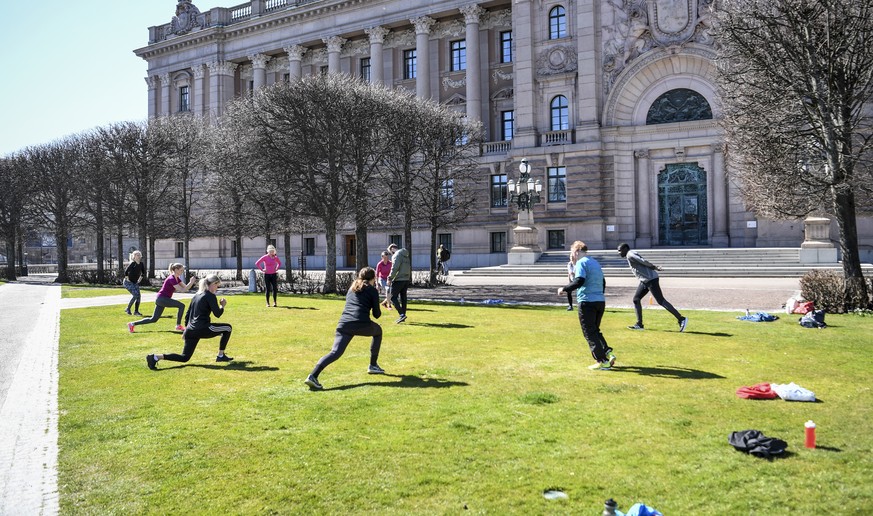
686	262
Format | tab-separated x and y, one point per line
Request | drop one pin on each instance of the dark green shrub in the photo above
826	289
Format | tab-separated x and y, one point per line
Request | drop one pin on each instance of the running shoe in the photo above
374	369
401	318
179	327
600	366
137	313
313	384
682	324
127	312
130	326
223	358
569	308
610	357
637	326
152	363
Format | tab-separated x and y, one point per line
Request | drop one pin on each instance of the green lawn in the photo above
483	409
68	291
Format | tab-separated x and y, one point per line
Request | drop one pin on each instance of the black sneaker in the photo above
400	319
313	384
374	369
152	363
223	358
636	327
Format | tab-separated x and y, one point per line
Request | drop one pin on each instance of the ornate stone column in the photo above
295	59
334	47
643	219
472	13
165	94
220	85
377	66
152	82
259	65
720	210
198	104
422	55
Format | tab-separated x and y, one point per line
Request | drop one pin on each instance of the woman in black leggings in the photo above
200	326
361	299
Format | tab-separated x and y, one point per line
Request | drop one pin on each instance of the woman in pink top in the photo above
270	264
173	283
383	268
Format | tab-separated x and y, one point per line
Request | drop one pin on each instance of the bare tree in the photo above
797	78
15	190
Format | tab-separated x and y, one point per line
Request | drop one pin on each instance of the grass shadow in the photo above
710	334
296	307
448	326
407	381
829	448
679	373
241	365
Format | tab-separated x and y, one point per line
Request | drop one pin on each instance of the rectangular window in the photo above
459	55
557	184
445	239
323	70
272	242
251	88
447	194
506	47
556	239
286	77
180	250
234	249
409	64
498	191
395	239
498	242
507	119
309	246
365	69
184	98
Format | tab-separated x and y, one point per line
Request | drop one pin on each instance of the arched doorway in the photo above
682	205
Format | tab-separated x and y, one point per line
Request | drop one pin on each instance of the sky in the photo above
68	66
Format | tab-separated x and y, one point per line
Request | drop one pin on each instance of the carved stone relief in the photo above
187	18
555	60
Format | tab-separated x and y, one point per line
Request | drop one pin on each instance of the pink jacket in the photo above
271	264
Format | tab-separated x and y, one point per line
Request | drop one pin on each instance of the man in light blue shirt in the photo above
590	285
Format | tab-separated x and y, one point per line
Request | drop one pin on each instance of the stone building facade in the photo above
613	102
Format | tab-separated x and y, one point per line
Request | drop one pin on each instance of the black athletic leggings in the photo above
344	336
655	288
162	302
590	315
192	337
398	295
271	282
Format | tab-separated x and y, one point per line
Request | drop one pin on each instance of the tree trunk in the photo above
433	247
101	252
361	251
856	295
63	258
151	240
119	242
10	256
330	265
22	260
287	241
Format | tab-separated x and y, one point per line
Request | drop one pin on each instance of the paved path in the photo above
29	330
29	318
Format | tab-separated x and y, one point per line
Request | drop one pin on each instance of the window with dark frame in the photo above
365	69
286	77
309	246
560	113
180	250
506	46
395	239
184	98
556	239
507	119
272	242
445	239
557	184
459	55
447	194
557	23
498	242
409	64
498	191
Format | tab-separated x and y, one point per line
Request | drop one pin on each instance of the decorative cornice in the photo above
151	81
497	19
404	38
334	43
450	29
199	71
450	84
377	34
423	24
498	75
472	13
295	52
222	67
259	60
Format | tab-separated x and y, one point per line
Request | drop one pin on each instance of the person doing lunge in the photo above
172	284
361	299
646	272
270	264
132	274
199	324
590	285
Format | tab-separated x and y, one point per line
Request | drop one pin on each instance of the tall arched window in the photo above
560	113
679	105
557	23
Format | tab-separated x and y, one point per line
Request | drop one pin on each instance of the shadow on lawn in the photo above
669	372
297	307
241	365
449	326
406	381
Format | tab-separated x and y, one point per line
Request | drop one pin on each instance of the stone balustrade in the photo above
502	147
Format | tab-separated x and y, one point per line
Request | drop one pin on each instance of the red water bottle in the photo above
809	442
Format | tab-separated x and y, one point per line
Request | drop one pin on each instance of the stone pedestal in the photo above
817	246
526	250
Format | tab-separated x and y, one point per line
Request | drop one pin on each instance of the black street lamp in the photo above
526	192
